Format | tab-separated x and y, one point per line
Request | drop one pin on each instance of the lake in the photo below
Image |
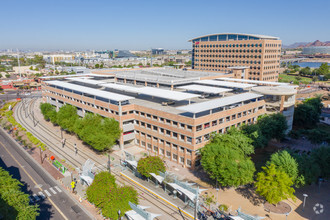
309	64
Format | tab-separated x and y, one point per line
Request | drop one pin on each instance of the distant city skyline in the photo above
142	25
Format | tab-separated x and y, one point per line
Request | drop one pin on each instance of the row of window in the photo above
164	132
169	154
229	51
273	45
229	56
225	45
164	120
230	61
207	137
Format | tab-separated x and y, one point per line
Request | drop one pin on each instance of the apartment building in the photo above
220	52
170	113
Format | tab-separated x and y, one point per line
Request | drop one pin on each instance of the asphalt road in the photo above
56	204
9	95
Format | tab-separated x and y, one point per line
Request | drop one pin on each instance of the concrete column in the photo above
172	87
134	82
282	103
145	83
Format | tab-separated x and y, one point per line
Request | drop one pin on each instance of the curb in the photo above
50	176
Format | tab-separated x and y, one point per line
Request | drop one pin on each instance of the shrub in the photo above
150	164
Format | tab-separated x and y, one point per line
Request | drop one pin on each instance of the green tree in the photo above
309	170
107	196
254	132
100	133
150	164
14	204
322	158
285	162
209	199
226	158
97	66
273	126
305	71
274	184
66	117
31	68
7	75
323	69
308	113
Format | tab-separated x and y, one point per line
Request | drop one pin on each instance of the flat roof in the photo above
152	91
91	91
205	89
278	90
239	34
76	75
87	81
217	103
252	81
225	84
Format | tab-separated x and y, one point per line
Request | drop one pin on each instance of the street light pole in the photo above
109	163
305	196
217	192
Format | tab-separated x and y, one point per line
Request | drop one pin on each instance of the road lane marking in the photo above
51	201
53	191
58	189
48	194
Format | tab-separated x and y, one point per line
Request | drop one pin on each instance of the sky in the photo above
144	24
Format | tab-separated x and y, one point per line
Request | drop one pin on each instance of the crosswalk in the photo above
44	194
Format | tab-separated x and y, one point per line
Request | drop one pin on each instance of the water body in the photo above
309	64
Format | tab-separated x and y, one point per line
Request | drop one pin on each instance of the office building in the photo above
158	51
219	52
170	113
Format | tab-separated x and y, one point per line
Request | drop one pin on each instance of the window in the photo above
149	146
155	149
168	154
161	152
175	157
175	135
154	117
188	151
206	125
220	120
214	123
188	163
182	160
227	118
168	132
175	123
199	127
175	147
181	149
143	143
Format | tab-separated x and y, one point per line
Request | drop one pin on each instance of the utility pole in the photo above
109	163
19	65
196	208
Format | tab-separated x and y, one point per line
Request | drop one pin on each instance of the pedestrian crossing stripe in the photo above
48	194
53	191
58	189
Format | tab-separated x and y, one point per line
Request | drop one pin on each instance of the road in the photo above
54	202
9	95
53	141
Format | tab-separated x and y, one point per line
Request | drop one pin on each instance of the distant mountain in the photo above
307	44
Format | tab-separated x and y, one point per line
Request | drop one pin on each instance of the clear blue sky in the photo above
143	24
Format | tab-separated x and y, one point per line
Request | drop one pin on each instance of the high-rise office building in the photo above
258	54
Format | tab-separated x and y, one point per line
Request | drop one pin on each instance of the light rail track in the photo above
55	147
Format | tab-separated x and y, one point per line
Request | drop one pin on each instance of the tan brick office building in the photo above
220	52
136	100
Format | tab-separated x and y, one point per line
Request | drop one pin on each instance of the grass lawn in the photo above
288	78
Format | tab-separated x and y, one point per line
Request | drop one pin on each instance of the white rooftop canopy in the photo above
225	84
151	91
253	81
217	103
91	91
122	87
87	81
205	89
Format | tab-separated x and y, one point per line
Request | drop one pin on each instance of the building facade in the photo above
218	52
170	113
